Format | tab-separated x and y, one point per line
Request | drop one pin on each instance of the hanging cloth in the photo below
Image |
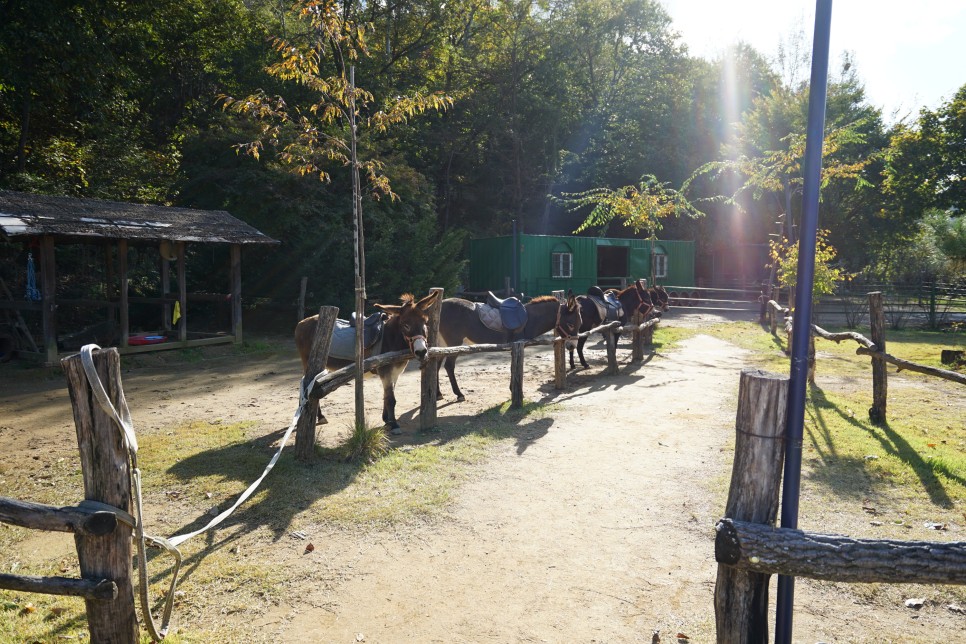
177	313
33	293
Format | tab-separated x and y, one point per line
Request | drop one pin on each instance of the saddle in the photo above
344	336
608	306
505	315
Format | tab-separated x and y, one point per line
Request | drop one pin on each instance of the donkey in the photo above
633	299
405	329
459	323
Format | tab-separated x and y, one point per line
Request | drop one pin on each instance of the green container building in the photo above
549	263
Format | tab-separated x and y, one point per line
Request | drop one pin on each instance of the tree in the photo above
326	130
785	258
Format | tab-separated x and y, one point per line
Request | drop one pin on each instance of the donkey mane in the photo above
543	298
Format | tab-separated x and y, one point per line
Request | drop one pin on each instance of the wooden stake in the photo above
880	377
429	369
516	375
105	465
741	597
321	343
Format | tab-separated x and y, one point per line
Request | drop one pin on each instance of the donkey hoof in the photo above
395	431
461	398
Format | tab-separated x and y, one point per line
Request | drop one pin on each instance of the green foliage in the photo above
827	275
366	443
639	207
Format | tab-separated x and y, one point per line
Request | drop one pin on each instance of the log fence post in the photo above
308	408
610	340
429	369
516	374
741	597
637	338
880	383
559	364
106	470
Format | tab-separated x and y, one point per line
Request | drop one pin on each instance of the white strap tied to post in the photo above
125	424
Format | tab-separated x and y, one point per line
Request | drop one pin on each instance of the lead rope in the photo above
124	423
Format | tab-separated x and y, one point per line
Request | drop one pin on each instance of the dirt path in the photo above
597	529
595	525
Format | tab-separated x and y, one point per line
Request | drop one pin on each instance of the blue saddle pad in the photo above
344	336
513	314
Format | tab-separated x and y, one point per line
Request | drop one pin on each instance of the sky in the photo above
908	54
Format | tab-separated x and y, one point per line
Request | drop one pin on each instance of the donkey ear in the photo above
427	301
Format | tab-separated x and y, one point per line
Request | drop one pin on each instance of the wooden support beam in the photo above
429	369
302	287
236	292
48	286
94	590
741	597
125	303
105	465
764	549
165	294
182	293
321	343
37	516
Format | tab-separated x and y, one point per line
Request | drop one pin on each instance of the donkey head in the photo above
568	317
410	319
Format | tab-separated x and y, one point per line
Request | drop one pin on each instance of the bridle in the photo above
559	327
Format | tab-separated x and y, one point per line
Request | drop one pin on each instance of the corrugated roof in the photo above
29	214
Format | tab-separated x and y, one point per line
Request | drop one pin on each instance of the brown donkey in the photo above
405	329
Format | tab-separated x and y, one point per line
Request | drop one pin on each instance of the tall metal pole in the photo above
795	418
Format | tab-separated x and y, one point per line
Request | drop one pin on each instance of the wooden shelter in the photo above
42	223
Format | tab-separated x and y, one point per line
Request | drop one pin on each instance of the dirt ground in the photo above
595	525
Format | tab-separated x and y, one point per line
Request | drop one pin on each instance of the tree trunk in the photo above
880	383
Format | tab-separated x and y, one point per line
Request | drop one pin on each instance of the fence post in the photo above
429	369
516	374
559	364
610	340
308	411
880	384
106	469
637	338
741	597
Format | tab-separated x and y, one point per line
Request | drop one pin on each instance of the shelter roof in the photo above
23	214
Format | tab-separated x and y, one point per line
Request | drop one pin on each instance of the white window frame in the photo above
660	265
557	265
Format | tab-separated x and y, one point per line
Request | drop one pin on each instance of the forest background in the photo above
126	101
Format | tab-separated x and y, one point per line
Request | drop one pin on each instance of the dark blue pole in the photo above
795	418
515	277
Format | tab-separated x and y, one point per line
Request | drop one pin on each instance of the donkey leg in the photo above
570	350
450	363
389	375
580	352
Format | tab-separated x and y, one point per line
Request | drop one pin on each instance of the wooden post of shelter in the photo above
182	294
516	374
308	408
741	597
302	286
105	465
165	293
507	288
124	296
48	286
236	297
880	383
429	369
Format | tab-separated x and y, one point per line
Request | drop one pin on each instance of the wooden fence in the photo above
748	548
102	524
316	387
875	348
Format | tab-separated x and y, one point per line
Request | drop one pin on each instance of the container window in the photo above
562	265
660	266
